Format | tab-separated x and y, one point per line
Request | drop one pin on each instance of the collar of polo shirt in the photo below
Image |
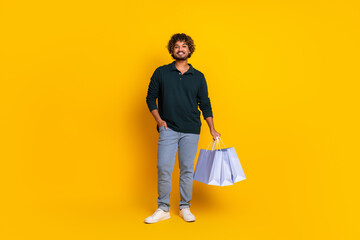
173	68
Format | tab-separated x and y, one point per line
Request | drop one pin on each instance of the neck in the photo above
181	63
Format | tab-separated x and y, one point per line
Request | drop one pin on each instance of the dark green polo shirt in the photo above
179	97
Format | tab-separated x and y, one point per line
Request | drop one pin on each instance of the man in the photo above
180	90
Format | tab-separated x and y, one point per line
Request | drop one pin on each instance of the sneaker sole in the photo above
186	220
161	219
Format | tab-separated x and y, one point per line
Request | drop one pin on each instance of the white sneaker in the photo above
158	215
187	215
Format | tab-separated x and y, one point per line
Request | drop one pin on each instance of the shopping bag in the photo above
205	167
226	175
236	169
215	173
220	167
237	173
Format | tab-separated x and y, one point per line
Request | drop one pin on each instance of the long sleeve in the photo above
153	91
203	99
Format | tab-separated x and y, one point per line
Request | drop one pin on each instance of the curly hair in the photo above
181	37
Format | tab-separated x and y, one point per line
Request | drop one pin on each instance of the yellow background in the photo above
78	144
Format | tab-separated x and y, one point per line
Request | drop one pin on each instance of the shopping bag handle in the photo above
214	142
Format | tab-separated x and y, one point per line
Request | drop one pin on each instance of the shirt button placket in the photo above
180	75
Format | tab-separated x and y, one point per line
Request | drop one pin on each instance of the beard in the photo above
177	57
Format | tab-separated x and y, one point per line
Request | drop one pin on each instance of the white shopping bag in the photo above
236	170
226	176
220	167
204	167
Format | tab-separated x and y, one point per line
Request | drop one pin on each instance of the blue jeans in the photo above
169	142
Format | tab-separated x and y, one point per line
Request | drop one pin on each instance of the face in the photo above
181	50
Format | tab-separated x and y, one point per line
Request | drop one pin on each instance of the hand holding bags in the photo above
220	167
